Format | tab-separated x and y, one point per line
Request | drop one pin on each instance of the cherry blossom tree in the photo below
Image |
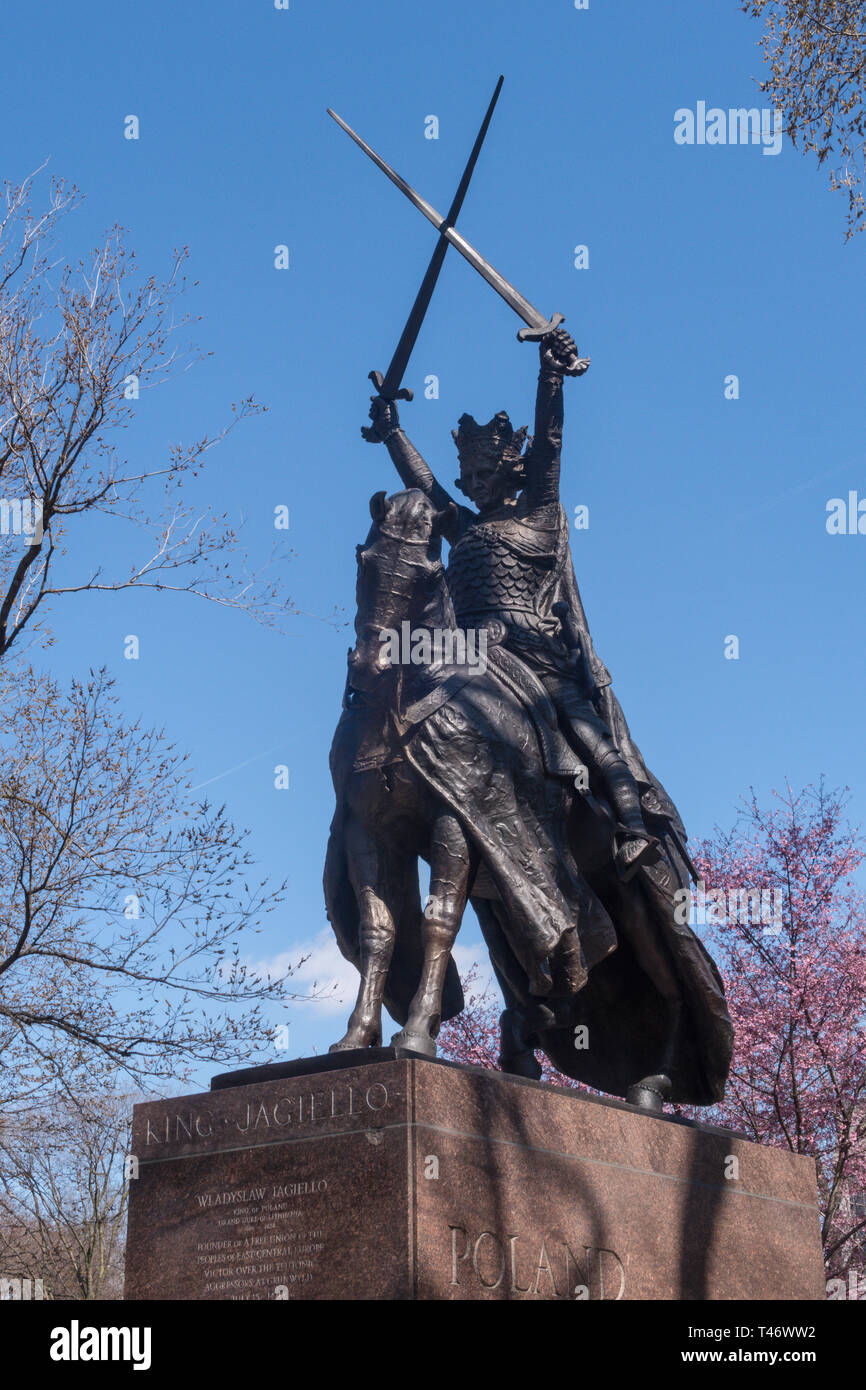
796	987
781	911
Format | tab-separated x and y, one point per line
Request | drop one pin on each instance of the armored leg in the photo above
634	845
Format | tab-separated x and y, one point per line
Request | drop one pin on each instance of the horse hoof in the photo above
650	1093
415	1042
350	1045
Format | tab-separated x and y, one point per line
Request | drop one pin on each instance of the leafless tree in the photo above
78	343
63	1193
126	910
816	54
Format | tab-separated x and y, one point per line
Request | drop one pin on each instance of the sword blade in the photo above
409	336
420	203
536	322
531	316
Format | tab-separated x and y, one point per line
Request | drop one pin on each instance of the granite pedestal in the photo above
379	1176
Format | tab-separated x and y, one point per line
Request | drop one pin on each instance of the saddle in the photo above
558	757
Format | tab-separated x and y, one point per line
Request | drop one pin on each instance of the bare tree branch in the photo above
816	54
78	346
127	911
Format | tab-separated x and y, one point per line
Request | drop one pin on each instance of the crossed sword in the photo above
536	326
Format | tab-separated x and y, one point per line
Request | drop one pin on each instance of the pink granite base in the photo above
411	1180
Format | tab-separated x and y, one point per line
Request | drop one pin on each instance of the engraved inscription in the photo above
547	1268
286	1113
268	1244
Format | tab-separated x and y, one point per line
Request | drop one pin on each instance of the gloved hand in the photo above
385	420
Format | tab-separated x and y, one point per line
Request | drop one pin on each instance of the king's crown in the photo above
495	440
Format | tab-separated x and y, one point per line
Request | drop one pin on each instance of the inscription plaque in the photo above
259	1192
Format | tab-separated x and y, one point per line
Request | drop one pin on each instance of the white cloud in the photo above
334	981
325	974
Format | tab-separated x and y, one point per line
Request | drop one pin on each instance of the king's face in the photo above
482	479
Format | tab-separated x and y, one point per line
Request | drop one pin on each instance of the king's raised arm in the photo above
413	470
559	358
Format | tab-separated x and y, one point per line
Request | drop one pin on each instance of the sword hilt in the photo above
534	335
401	394
575	366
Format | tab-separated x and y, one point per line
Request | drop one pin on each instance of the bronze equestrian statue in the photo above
515	777
571	858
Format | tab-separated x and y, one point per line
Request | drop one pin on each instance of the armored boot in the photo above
633	844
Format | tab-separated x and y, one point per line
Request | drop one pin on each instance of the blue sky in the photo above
707	515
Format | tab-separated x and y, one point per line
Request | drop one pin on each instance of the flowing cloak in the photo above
660	977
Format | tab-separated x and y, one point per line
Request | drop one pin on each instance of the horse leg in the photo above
450	863
651	1091
516	1052
368	871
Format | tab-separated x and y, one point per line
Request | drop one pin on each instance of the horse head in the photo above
400	579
